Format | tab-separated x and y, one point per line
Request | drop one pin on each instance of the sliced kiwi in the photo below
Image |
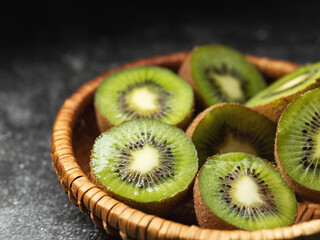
147	164
273	99
242	191
144	92
298	145
221	74
232	127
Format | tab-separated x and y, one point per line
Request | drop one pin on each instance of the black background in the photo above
47	52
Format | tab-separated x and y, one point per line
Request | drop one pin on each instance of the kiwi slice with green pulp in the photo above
274	99
145	163
242	191
221	74
297	148
232	127
143	92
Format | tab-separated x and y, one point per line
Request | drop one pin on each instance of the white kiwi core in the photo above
235	145
246	191
293	82
145	159
230	86
142	99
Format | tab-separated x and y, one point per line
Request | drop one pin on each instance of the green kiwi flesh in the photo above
289	84
144	163
222	74
246	192
298	144
232	127
144	92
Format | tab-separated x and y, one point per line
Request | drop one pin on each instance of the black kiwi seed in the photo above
270	205
157	174
225	70
153	86
313	125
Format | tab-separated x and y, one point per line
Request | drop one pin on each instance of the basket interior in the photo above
84	135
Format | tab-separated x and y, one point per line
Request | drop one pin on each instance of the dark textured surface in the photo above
47	55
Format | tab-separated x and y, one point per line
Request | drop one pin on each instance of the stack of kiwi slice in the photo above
145	160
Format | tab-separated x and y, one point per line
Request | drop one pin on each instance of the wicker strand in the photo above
132	224
63	160
91	202
152	229
267	234
271	67
123	221
162	232
84	196
105	209
173	231
143	225
302	208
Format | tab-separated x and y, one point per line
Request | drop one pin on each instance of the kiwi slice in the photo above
221	74
144	92
297	148
242	191
145	163
232	127
273	99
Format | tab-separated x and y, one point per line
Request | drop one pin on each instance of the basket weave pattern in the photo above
73	135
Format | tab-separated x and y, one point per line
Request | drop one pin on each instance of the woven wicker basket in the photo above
74	132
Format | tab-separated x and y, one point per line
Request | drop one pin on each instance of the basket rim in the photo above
118	218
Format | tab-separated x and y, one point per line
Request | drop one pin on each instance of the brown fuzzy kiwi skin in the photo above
205	217
104	124
275	108
186	121
160	208
185	73
201	115
301	191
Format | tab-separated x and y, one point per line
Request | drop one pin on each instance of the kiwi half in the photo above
143	92
232	127
242	191
145	163
297	148
221	74
274	99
